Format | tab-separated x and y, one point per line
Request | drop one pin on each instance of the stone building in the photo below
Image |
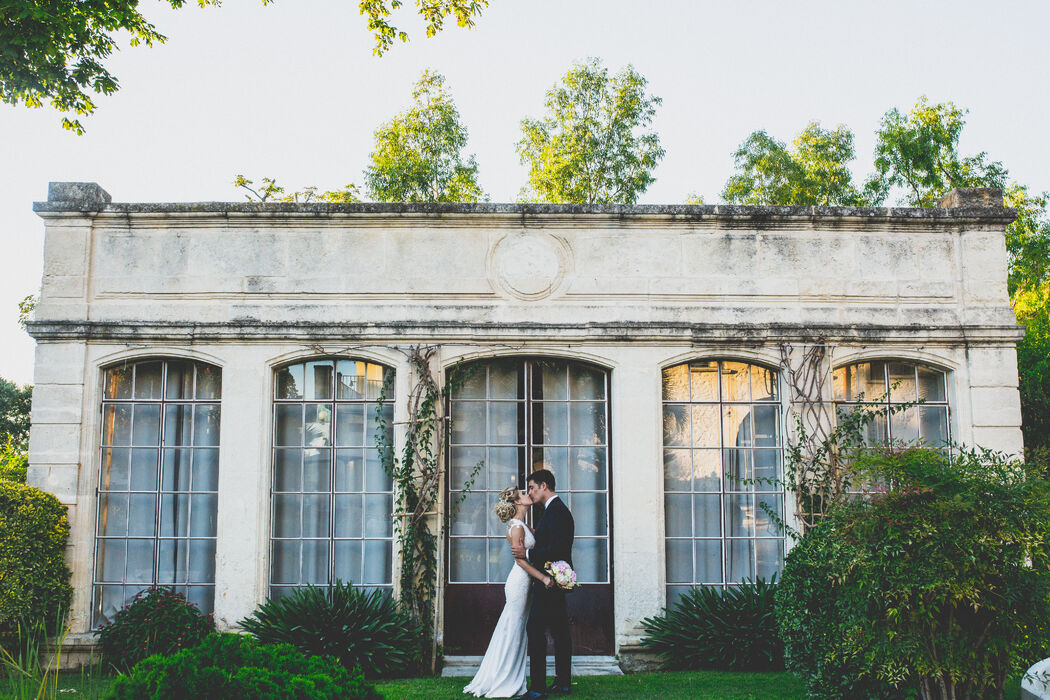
208	374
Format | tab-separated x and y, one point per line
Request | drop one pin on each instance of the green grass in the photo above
691	685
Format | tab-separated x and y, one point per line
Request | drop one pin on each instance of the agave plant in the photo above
361	629
708	628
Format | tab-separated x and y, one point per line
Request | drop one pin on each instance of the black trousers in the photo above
548	613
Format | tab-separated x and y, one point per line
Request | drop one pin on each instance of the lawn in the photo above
694	685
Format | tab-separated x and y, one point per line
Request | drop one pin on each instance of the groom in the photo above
554	533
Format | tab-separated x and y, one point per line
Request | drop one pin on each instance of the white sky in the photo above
291	90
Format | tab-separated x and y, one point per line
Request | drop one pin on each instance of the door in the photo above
511	416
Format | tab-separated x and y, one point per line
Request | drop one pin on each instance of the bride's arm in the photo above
516	537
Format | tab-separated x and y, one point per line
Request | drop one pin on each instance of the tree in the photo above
418	154
433	12
814	171
592	147
919	154
52	51
15	403
269	191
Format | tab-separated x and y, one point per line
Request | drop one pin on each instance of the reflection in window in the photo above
722	466
883	384
158	483
332	498
517	416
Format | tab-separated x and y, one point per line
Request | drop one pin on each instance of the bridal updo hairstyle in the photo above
505	503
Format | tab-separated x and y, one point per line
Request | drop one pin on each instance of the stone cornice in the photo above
206	214
518	333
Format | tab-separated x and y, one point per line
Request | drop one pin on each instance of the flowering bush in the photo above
227	666
157	621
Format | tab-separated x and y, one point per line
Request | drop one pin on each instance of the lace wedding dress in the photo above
502	671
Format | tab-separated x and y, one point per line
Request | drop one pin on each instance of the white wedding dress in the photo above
502	670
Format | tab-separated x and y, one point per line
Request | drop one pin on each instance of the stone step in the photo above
467	666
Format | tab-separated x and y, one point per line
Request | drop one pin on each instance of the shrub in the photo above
938	588
157	621
34	578
228	666
732	630
364	630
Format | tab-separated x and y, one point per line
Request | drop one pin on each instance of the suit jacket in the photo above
554	533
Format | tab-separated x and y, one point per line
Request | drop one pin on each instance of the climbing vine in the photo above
417	476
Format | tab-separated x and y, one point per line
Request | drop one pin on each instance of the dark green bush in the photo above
156	621
362	630
34	578
731	630
228	666
938	588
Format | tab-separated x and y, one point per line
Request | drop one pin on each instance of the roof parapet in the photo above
972	197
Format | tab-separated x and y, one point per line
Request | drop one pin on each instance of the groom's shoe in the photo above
559	689
532	695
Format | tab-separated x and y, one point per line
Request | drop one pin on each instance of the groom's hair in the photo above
543	476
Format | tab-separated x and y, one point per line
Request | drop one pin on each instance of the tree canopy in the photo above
418	155
814	171
53	51
592	146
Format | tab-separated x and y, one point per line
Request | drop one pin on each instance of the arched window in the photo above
723	454
888	383
158	483
332	498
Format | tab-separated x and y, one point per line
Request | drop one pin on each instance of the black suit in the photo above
554	533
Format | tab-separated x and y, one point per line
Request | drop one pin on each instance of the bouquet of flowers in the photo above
562	575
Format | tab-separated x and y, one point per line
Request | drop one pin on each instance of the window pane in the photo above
838	378
113	514
472	513
144	464
763	384
180	381
290	382
147	425
739	560
705	426
902	383
206	470
209	383
904	425
319	380
586	383
347	564
468	422
462	461
110	560
735	381
206	426
766	470
350	424
317	469
203	513
285	561
770	556
550	421
933	424
116	425
286	511
118	382
738	470
740	516
288	425
115	469
587	423
587	468
501	561
871	378
377	516
703	381
707	515
142	514
172	561
315	562
931	384
679	555
317	424
140	561
767	426
550	381
377	561
505	379
676	383
769	512
148	376
555	459
709	561
590	514
176	470
678	511
202	561
676	426
590	560
349	470
350	380
349	515
316	516
707	470
469	559
501	468
736	426
174	515
470	383
506	423
376	476
178	425
678	470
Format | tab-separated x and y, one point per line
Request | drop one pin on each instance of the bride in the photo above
502	671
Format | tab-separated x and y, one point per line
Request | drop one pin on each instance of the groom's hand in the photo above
518	551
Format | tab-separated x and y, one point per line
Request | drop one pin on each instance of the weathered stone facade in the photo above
633	290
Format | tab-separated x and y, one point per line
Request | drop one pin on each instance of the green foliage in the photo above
591	147
433	12
269	191
815	171
156	621
34	578
418	154
919	153
53	50
939	587
32	672
1033	364
361	629
731	630
26	307
234	666
14	462
15	404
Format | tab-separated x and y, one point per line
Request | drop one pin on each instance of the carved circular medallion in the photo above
528	264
